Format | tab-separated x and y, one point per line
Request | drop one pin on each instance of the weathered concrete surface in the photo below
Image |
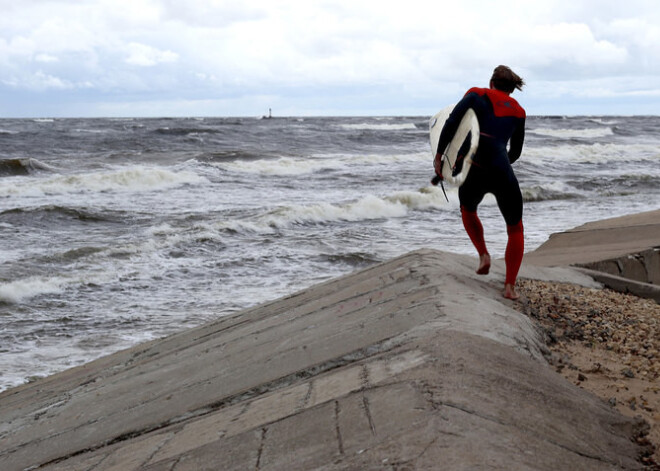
643	266
600	240
416	363
625	285
621	253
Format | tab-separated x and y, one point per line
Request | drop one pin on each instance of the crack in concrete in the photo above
260	452
305	400
352	357
367	411
340	440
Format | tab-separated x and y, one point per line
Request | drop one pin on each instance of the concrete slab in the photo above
622	253
600	240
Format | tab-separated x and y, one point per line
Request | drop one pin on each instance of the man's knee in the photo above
515	228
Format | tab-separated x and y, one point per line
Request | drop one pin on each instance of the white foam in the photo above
592	153
370	207
280	167
133	179
379	127
32	359
20	290
287	166
604	122
587	133
426	198
253	226
160	230
38	165
92	131
380	159
547	191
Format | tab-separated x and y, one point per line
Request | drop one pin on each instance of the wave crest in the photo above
370	207
17	291
133	179
288	166
547	192
379	127
592	153
586	133
279	167
19	167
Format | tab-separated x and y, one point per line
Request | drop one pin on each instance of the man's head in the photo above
505	79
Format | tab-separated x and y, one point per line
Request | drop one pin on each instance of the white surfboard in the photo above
468	129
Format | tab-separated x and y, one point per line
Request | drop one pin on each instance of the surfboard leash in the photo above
438	179
443	190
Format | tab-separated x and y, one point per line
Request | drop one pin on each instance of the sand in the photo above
605	342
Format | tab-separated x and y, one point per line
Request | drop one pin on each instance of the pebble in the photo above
624	324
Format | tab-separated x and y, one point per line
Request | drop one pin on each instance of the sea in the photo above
119	231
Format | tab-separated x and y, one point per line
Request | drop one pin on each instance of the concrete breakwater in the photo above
415	363
621	253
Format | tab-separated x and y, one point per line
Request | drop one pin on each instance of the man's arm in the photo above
517	140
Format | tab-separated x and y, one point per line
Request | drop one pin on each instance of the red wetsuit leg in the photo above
514	252
474	229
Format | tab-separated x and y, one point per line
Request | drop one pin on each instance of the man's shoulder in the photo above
477	90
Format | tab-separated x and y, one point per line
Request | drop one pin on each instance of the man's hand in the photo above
437	165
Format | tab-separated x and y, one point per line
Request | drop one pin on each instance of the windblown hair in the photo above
506	79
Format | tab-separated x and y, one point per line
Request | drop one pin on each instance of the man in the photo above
501	121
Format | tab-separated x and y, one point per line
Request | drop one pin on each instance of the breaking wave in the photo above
278	167
49	213
592	153
289	166
18	167
17	291
379	127
587	133
134	179
370	207
549	191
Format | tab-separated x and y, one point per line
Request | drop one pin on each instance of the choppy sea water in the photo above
117	231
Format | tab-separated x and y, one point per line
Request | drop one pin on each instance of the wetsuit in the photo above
501	121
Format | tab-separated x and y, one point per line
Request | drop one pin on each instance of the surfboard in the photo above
457	156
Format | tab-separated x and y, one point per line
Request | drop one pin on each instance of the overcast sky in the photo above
322	57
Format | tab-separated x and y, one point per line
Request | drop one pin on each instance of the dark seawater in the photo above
116	231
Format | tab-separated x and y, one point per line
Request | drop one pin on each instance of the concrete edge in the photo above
624	285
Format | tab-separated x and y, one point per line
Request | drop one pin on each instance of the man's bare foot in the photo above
484	264
510	292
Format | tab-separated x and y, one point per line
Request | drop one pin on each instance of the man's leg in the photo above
475	231
513	256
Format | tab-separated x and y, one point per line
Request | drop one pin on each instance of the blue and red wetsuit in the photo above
501	122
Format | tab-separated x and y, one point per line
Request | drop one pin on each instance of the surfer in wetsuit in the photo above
501	121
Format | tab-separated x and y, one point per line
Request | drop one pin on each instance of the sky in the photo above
154	58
